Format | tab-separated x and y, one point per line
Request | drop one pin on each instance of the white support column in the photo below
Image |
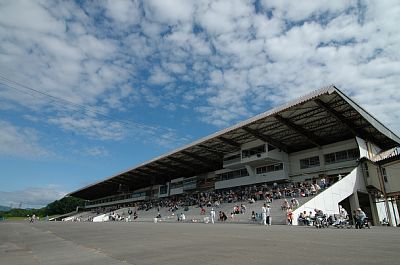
250	171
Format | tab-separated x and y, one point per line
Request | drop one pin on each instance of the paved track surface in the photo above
184	243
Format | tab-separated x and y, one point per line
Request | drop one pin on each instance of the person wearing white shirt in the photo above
212	215
264	214
268	214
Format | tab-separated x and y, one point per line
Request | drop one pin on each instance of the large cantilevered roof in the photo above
322	117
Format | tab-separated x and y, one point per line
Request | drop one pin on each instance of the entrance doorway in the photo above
365	205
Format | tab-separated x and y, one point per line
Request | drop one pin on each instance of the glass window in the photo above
233	174
269	168
163	189
176	185
354	153
261	170
384	174
253	151
309	162
341	156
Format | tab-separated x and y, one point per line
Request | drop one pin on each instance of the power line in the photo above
16	86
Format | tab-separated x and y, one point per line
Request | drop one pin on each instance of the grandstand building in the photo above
324	134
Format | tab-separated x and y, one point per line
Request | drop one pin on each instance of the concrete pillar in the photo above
375	215
394	213
354	203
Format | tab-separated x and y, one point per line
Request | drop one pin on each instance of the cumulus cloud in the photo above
91	127
32	197
229	59
170	139
20	142
96	151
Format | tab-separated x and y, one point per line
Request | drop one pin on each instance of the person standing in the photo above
289	216
264	214
212	215
268	214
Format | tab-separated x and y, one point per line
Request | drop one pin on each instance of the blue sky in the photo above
129	80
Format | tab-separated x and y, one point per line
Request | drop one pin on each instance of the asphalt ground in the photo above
186	243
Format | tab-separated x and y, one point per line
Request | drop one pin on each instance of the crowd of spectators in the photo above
238	195
249	194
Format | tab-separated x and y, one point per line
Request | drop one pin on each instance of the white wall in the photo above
176	191
362	146
176	180
393	176
294	158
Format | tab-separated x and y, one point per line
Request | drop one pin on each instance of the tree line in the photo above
58	207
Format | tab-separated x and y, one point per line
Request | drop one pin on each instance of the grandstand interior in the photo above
318	149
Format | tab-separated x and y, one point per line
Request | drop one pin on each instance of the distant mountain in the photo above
4	208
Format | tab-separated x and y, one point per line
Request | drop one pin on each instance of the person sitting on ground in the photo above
285	205
319	215
242	209
313	191
317	187
360	217
224	217
202	211
343	216
181	217
251	200
253	216
235	209
294	203
158	215
304	218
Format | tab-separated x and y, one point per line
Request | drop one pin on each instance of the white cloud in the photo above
20	142
124	11
159	77
96	151
30	16
169	11
91	127
229	59
32	197
170	139
301	10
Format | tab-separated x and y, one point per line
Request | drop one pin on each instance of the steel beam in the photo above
267	138
229	141
187	164
339	117
204	160
311	137
211	150
175	168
